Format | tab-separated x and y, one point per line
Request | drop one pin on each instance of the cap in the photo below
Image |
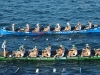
87	45
13	24
68	23
57	23
22	45
46	48
73	46
35	48
61	45
5	41
27	24
37	24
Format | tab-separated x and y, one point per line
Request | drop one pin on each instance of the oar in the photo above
47	39
54	70
64	69
37	70
16	70
80	69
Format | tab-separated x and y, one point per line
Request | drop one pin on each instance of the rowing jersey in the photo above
3	45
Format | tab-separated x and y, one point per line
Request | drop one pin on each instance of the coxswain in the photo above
37	29
68	28
78	27
33	52
4	47
47	29
58	27
86	51
72	51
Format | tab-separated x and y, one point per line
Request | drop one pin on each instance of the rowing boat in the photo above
77	58
51	32
39	58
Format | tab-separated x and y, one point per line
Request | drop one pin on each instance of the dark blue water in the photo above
43	12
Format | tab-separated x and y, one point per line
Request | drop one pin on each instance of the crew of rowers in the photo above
57	28
60	52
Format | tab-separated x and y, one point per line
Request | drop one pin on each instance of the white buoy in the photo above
54	70
80	69
37	70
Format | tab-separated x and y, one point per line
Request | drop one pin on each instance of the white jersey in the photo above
3	46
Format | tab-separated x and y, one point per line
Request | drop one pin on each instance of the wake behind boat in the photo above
50	31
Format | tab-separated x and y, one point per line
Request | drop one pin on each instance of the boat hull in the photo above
50	58
93	30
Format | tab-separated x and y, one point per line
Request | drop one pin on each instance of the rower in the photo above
4	47
78	27
58	27
45	52
13	29
21	52
37	29
89	25
63	50
68	28
60	51
33	52
73	51
27	28
86	51
47	29
97	51
22	49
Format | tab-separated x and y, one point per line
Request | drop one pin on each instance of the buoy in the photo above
54	70
37	70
